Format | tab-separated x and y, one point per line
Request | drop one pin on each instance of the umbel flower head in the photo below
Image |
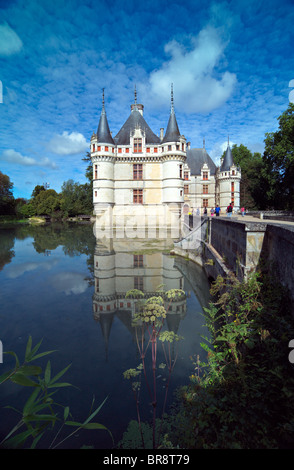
152	312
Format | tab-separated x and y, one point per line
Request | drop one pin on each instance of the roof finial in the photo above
135	96
103	101
172	98
204	142
228	140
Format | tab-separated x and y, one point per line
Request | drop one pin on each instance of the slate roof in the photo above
103	132
228	160
135	120
172	133
196	159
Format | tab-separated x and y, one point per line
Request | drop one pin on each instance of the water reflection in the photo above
119	267
61	284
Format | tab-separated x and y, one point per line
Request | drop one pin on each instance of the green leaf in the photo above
47	375
60	384
60	374
30	401
95	412
12	353
30	370
66	412
3	377
28	348
18	440
33	358
21	379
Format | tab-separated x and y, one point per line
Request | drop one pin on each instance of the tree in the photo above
278	159
46	202
6	195
75	198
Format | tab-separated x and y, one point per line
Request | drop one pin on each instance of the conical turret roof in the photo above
172	133
103	132
228	160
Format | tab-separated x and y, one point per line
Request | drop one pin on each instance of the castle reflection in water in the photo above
121	265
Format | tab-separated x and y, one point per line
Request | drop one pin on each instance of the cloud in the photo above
68	144
16	270
198	85
11	156
10	43
69	283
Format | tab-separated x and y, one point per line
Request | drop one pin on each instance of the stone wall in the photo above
278	249
239	243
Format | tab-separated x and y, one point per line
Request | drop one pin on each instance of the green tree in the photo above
75	198
6	195
46	202
278	159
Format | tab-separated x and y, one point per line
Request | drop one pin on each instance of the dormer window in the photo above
205	175
137	145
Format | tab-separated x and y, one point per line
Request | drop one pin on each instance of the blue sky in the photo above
231	64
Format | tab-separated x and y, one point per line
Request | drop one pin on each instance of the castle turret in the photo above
173	158
229	177
103	156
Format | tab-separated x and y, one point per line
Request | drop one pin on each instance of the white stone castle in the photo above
157	177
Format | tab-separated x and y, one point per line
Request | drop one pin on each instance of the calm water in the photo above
61	284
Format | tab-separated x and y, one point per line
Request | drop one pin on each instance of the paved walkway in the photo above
250	218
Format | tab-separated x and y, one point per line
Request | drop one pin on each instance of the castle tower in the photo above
173	147
228	180
103	156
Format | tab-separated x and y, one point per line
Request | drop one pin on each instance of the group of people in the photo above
229	210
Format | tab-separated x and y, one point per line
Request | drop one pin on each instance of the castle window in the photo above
138	171
181	171
93	147
148	149
177	147
95	172
119	150
138	261
98	148
137	145
233	172
186	189
127	150
186	175
96	284
138	196
95	193
183	147
106	149
155	149
169	147
138	282
205	202
205	175
205	189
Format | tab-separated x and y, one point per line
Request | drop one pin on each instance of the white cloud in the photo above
193	73
11	156
10	43
69	283
68	144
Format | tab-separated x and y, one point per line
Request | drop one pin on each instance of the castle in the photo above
156	177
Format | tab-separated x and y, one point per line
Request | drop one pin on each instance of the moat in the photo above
61	285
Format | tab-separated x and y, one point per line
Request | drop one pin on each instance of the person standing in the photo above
230	209
242	211
217	210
